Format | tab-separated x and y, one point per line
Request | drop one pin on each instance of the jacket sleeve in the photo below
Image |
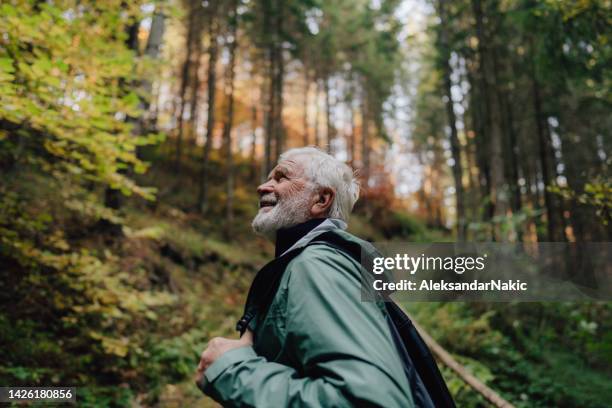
344	355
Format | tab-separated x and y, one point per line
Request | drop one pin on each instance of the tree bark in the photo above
555	227
317	114
503	73
189	43
271	111
329	133
464	374
195	98
305	108
152	50
450	113
279	129
497	194
210	120
480	141
254	142
353	135
365	148
227	129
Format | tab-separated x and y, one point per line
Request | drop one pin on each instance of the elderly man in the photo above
317	344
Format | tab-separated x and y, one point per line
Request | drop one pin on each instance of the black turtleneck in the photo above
286	237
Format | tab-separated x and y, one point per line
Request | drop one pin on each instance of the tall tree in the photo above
497	191
365	141
229	120
152	50
213	30
444	48
547	167
192	55
317	134
305	137
330	131
279	77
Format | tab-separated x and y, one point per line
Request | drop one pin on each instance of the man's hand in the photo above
216	347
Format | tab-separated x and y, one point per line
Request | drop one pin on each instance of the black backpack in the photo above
427	385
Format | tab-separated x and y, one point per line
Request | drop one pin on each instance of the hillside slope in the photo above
127	310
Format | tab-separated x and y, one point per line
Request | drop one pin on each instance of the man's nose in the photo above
265	188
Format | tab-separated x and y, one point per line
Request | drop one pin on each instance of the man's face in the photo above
284	200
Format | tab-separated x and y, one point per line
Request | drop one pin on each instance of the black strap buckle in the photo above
243	323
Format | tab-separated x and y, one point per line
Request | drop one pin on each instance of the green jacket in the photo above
319	345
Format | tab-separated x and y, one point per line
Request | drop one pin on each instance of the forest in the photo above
133	136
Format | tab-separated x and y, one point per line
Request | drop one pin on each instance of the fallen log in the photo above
445	358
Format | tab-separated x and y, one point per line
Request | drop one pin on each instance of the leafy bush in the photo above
535	354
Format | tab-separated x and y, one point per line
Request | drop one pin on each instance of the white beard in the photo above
286	213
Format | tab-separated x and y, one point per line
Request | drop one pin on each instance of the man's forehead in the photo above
292	165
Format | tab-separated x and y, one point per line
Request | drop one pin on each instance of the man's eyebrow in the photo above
275	171
279	169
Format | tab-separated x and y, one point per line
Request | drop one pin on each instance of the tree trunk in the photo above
497	195
480	141
279	127
511	146
317	114
156	34
278	82
152	50
554	221
189	43
365	148
329	133
227	129
450	113
271	111
353	135
195	96
305	108
254	142
210	120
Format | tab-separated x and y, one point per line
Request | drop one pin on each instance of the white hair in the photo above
324	170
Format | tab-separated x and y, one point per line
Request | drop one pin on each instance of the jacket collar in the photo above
286	237
300	235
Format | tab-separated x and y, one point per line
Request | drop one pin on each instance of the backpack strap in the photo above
427	384
266	282
264	288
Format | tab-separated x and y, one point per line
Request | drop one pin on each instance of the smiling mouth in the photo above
263	204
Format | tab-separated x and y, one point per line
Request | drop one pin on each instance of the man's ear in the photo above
325	198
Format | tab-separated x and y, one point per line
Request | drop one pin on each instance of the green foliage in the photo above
64	94
536	354
463	394
64	99
507	224
69	300
67	104
597	195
